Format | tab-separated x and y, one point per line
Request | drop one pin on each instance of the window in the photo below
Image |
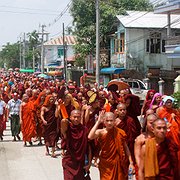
117	45
113	46
121	42
60	53
135	85
163	45
154	44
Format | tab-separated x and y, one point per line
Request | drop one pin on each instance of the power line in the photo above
60	32
61	14
14	7
26	12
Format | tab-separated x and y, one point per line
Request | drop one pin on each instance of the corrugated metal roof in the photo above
144	19
70	40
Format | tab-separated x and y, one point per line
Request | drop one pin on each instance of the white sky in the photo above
19	16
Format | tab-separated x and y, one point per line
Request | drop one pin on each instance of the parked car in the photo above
136	86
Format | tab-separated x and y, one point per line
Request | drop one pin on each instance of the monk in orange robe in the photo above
115	153
37	105
172	118
158	157
28	125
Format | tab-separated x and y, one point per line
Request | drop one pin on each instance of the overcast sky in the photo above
19	16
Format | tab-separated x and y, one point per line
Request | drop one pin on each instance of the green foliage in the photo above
84	14
177	99
10	55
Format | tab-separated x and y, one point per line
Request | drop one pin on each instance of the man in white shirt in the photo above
13	108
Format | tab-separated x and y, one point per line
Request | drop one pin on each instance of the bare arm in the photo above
42	115
87	112
64	127
7	113
95	132
137	149
141	164
20	113
129	157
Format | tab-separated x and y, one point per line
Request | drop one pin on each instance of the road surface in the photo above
30	163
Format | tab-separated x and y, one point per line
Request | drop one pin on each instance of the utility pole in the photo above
33	59
20	54
97	43
64	52
23	51
42	49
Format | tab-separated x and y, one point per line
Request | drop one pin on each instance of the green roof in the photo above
27	70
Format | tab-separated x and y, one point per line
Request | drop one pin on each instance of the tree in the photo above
32	50
84	14
10	55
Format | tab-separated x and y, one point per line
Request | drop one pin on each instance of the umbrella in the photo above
37	72
119	85
10	69
44	76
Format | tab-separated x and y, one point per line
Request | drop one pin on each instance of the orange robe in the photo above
28	126
174	129
113	163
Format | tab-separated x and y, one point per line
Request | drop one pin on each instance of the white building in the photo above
54	51
140	40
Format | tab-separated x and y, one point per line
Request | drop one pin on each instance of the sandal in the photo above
53	155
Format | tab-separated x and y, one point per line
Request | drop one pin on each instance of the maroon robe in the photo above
167	160
92	120
134	109
74	158
129	126
1	125
50	130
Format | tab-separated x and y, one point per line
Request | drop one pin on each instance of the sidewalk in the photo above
30	163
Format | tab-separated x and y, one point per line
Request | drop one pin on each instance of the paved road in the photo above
30	163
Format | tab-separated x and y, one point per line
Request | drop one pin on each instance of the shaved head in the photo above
120	105
75	111
152	117
75	117
109	114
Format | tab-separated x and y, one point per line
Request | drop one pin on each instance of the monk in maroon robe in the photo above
75	135
158	157
49	116
127	124
133	109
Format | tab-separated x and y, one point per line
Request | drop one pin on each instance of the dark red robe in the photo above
50	130
74	159
129	126
167	160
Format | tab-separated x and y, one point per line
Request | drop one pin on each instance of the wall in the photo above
51	53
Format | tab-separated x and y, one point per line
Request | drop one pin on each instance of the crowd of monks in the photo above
107	129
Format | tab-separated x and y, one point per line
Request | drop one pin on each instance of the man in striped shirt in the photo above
13	107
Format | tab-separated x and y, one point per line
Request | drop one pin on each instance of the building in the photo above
54	52
173	38
139	42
